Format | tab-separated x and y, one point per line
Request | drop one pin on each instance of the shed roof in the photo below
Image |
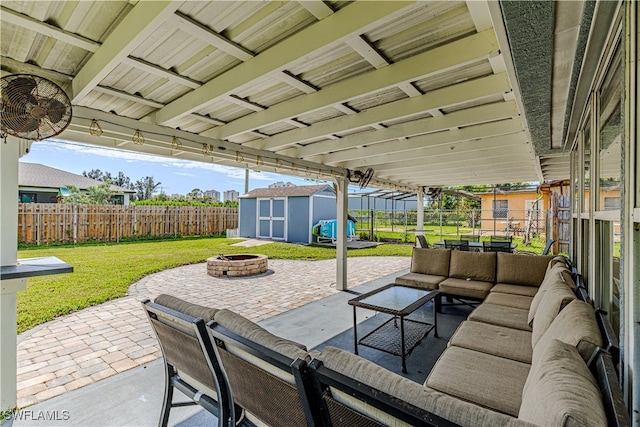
37	175
303	190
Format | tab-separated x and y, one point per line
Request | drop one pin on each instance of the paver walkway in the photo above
98	342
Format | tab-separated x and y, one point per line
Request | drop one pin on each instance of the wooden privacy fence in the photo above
43	223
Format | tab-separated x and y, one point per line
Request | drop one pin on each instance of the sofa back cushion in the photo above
555	298
560	390
473	265
576	324
431	261
524	270
552	276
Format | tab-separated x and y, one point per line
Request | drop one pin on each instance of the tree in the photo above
96	174
145	187
96	195
196	193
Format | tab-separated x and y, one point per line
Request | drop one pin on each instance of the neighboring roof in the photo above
37	175
304	190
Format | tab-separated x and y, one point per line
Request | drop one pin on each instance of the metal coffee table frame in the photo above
379	337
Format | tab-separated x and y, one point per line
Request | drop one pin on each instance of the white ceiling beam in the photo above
451	95
127	96
353	19
244	103
506	173
344	108
317	8
292	80
296	123
143	19
208	119
24	21
436	61
454	148
445	163
435	112
375	153
367	51
207	35
118	129
409	89
161	72
470	116
480	14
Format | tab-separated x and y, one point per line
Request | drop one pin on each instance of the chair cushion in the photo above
465	288
525	270
499	341
246	328
430	261
506	288
193	310
501	315
419	280
490	381
510	300
554	299
560	390
552	276
479	266
576	324
557	260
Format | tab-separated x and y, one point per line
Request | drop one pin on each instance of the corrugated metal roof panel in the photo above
320	115
379	98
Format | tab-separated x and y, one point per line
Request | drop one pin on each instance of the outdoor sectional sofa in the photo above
533	354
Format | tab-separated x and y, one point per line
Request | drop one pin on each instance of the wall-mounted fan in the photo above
32	107
359	177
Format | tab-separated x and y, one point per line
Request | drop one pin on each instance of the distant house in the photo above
286	213
43	184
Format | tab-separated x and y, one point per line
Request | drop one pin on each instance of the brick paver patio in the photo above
98	342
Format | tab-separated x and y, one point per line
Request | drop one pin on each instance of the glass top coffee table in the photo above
399	301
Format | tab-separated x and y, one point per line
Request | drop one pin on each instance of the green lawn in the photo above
104	272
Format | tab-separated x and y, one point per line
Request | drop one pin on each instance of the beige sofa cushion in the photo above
553	275
246	328
430	261
419	280
554	299
560	390
528	291
501	315
576	324
366	372
486	380
510	300
499	341
525	270
465	288
479	266
557	260
190	309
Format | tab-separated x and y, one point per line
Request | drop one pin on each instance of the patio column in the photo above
420	212
341	244
10	151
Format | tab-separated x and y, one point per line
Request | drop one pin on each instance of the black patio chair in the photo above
547	248
267	384
501	239
457	245
422	241
189	358
497	247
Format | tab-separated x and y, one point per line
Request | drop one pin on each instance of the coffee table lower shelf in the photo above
385	337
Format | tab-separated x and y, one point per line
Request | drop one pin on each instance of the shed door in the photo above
271	218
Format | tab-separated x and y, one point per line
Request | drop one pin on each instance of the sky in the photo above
176	176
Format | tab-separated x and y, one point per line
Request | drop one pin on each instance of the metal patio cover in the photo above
425	93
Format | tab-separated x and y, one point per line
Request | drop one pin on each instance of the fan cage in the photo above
32	107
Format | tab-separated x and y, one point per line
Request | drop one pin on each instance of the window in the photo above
611	203
500	208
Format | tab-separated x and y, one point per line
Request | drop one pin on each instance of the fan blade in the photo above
18	91
55	109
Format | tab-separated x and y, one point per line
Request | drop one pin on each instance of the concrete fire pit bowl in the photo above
236	265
